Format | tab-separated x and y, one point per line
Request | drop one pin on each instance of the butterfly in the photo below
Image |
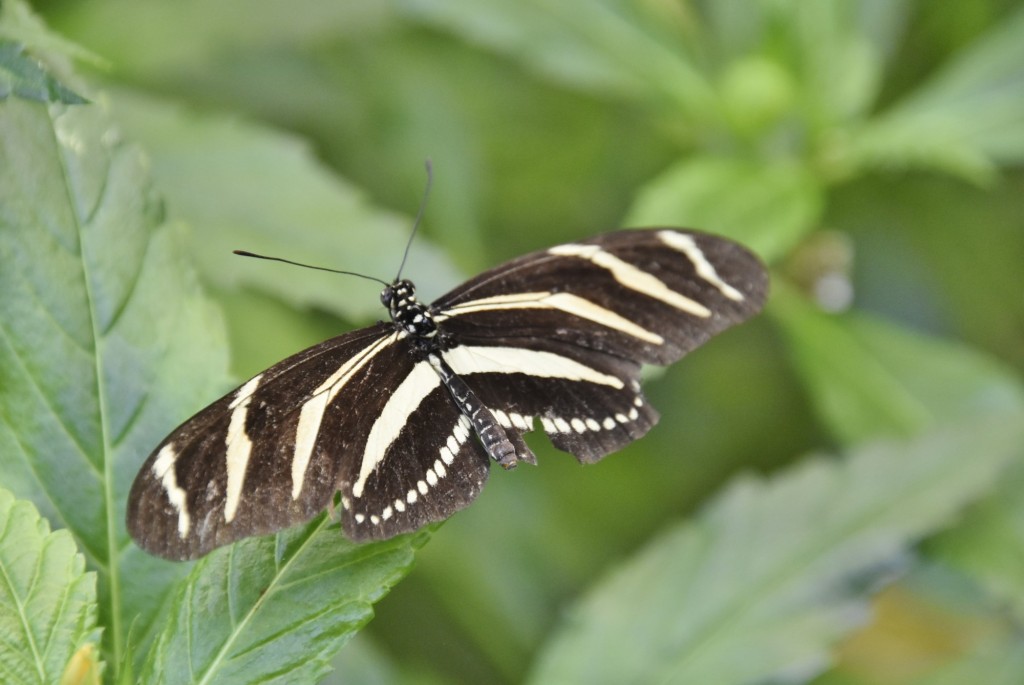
398	422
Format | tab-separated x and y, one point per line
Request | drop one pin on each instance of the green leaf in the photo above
870	378
366	663
842	46
967	119
148	40
47	599
105	341
275	609
27	78
776	571
608	46
245	186
822	34
767	206
19	25
995	662
987	544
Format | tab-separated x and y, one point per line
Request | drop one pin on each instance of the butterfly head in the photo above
398	294
411	315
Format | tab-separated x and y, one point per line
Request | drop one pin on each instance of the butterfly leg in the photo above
493	437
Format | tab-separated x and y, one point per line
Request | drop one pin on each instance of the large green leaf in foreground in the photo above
105	341
773	573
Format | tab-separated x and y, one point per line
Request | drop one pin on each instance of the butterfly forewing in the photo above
646	295
259	459
403	418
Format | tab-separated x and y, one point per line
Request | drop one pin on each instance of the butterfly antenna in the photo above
419	215
243	253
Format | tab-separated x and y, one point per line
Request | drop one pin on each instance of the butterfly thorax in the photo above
407	313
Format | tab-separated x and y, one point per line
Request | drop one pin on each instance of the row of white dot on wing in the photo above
513	420
437	471
579	425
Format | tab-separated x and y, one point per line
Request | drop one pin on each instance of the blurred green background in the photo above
875	146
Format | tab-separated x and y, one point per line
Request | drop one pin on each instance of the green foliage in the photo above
47	598
965	119
775	571
26	78
872	378
766	204
273	609
265	193
987	547
898	123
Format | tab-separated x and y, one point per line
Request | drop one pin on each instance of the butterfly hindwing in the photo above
433	467
589	416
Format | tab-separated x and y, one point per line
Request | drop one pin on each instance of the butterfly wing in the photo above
427	469
558	336
257	460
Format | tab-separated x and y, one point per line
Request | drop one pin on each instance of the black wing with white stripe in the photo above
257	461
644	295
610	303
403	418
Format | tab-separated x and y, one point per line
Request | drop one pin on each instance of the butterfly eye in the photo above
386	296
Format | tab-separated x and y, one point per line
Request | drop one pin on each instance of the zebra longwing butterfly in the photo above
402	418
